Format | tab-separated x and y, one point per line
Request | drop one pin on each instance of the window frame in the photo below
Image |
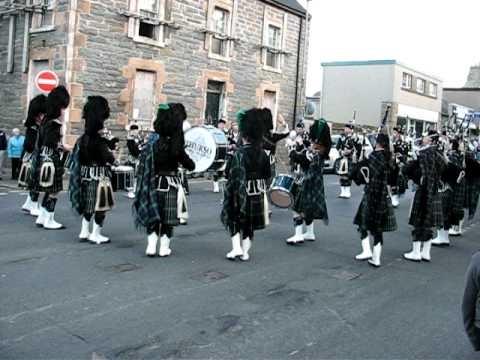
225	38
408	76
159	22
422	81
265	48
434	86
37	17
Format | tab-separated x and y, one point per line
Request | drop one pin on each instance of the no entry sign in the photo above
46	81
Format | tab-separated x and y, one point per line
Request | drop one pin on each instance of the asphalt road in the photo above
61	299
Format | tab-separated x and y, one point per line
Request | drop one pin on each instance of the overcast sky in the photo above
439	37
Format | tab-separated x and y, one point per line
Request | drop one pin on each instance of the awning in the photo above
418	113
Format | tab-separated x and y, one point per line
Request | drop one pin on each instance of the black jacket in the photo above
3	141
95	151
471	317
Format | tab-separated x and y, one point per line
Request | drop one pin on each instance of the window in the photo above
42	19
432	89
274	44
144	98
215	102
219	44
150	21
421	86
407	81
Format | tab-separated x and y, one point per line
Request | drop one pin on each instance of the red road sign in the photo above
46	81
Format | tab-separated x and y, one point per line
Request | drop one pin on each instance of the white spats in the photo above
345	192
441	239
50	223
427	246
35	210
309	234
27	205
237	250
395	201
298	237
246	246
165	246
456	230
42	217
415	254
377	253
152	241
96	236
366	250
216	187
84	231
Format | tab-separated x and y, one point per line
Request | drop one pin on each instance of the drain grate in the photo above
120	268
210	276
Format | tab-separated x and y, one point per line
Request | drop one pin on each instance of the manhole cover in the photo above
119	268
210	276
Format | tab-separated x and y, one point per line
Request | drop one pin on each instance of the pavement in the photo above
61	299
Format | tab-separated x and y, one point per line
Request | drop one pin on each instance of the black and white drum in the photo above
207	147
123	178
281	192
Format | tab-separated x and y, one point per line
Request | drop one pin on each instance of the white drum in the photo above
207	147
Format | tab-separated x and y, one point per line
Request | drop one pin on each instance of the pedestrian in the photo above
160	197
15	151
3	149
90	185
35	117
310	203
471	299
375	214
348	147
219	174
426	214
49	168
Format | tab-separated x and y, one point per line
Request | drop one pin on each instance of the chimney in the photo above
473	80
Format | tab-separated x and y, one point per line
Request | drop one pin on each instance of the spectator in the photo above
3	148
470	301
15	151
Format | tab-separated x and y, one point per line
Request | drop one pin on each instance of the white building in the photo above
362	89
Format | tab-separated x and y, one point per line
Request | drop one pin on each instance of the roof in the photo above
378	62
461	89
292	6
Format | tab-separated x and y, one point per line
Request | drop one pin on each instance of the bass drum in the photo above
207	147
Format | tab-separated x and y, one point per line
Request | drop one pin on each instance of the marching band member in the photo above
219	174
245	205
348	148
400	150
472	183
452	189
272	137
160	197
300	144
375	214
426	212
35	117
48	166
310	203
90	186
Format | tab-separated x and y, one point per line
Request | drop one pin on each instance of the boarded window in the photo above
270	100
144	98
35	68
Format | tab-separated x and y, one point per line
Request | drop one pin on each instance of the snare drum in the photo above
281	192
123	178
207	147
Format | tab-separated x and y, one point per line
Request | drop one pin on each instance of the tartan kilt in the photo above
402	183
363	219
167	204
256	212
426	215
472	192
309	199
447	209
88	190
57	178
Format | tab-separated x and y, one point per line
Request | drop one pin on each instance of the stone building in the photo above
215	56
